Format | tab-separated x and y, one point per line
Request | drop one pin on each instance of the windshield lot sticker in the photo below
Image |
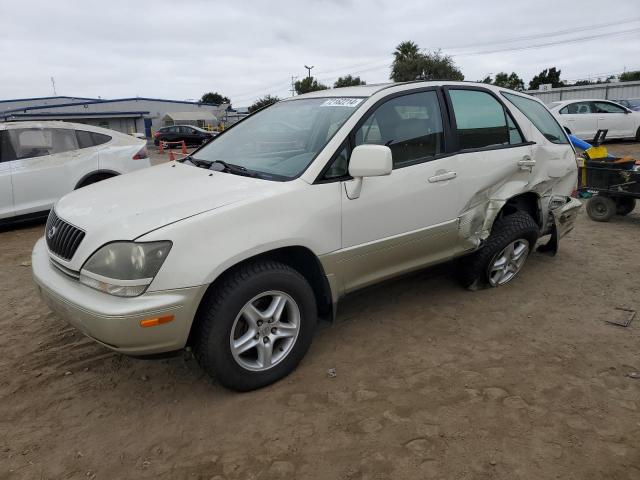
342	102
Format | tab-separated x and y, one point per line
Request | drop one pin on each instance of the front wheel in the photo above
504	253
255	326
601	208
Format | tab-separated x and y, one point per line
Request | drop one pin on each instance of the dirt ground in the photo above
526	381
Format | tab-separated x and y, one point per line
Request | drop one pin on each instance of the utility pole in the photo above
293	85
53	85
309	71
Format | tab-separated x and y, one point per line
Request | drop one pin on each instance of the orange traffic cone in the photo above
161	147
172	157
184	148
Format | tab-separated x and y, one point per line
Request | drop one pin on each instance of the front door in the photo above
615	119
407	219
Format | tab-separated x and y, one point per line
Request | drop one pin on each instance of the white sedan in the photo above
583	118
42	161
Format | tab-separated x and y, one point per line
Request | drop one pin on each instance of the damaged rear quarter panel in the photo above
554	174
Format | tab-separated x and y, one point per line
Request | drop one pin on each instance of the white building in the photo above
127	115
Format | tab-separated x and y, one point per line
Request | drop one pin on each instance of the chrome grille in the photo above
63	239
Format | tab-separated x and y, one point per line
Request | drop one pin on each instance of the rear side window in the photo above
540	117
577	108
90	139
99	138
410	125
481	120
37	142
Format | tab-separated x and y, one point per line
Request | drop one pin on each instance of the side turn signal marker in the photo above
152	322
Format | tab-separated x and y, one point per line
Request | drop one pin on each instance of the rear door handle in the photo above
443	177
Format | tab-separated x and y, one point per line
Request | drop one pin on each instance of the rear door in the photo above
580	118
7	155
615	119
491	151
46	167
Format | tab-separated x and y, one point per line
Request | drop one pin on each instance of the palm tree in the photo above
406	51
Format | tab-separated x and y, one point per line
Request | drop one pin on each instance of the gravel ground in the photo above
522	382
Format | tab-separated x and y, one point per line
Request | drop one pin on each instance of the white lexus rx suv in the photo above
239	248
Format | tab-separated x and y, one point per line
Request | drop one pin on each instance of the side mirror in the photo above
368	161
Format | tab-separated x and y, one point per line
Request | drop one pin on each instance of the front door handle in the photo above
442	176
526	162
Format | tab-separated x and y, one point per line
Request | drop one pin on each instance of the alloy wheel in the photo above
265	331
506	264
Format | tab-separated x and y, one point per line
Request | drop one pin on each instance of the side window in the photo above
7	150
410	125
84	139
514	133
604	107
481	120
99	138
577	108
541	118
340	165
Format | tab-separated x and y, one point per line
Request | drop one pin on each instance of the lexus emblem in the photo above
51	232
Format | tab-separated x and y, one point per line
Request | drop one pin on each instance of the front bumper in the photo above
115	321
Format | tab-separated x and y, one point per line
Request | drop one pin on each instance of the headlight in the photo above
124	269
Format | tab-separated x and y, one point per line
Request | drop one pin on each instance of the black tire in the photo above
98	177
625	205
638	135
473	271
601	208
223	303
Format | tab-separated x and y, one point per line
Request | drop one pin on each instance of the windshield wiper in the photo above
231	168
196	161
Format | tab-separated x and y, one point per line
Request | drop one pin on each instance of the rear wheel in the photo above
601	208
504	253
625	205
255	326
98	177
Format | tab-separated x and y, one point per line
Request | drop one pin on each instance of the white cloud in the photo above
245	49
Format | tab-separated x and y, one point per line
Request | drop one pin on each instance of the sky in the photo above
245	49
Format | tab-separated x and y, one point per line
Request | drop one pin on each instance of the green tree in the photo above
551	75
308	84
488	80
512	81
263	102
409	63
214	97
348	81
630	76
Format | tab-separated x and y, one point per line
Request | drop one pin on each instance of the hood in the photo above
128	206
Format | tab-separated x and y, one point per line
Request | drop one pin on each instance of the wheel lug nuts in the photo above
266	339
273	330
259	323
256	337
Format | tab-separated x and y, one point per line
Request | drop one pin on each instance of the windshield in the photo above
283	139
634	102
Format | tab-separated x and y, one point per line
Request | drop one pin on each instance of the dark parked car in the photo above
190	134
